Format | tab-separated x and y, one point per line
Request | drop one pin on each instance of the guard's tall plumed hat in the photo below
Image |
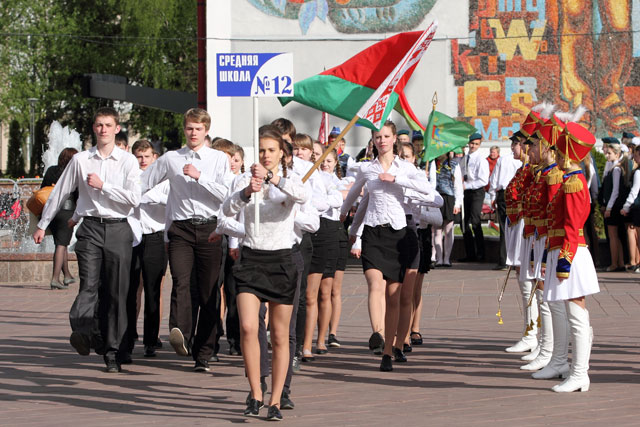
575	142
536	118
552	128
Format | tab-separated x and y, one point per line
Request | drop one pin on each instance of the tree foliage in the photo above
50	44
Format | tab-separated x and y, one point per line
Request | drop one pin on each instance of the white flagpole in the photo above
256	159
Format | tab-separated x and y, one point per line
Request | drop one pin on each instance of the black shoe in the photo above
176	339
263	388
295	364
499	267
112	366
285	401
386	365
398	355
376	343
274	414
307	357
333	341
214	358
447	265
321	351
202	365
253	408
150	351
124	358
406	348
416	338
81	343
438	266
158	344
468	259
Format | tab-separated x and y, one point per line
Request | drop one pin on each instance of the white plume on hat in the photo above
578	113
545	109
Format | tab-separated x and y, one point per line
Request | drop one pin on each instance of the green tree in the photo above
15	161
51	44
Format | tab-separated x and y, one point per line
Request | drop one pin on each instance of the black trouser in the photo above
104	256
189	250
148	259
306	249
501	214
230	295
473	242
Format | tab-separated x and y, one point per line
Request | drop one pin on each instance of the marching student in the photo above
385	257
149	259
108	183
571	275
197	177
265	272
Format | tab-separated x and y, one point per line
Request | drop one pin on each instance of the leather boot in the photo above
557	366
581	335
546	337
529	341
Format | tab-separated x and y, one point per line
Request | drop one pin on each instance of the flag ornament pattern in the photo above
376	110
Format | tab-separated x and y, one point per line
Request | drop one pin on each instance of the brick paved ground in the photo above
461	376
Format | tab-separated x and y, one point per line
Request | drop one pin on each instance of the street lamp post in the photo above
32	130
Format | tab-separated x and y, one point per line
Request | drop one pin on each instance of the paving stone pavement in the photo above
460	376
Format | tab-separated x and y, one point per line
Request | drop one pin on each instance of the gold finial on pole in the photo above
434	100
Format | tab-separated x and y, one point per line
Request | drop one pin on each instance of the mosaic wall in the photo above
517	54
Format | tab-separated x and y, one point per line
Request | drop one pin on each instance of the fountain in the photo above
18	252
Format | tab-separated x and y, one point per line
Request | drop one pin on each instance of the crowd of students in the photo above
275	278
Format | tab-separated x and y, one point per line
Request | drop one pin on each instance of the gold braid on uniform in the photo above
572	185
554	177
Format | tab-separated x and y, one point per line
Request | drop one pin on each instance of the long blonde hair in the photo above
623	161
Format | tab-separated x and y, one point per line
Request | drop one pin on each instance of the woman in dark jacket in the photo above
60	225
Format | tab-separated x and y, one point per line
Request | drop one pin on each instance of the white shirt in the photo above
334	196
504	171
476	167
386	199
307	218
276	211
120	191
190	198
616	171
319	190
633	193
152	209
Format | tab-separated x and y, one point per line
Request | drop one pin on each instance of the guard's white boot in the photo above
557	366
534	353
546	338
581	335
529	341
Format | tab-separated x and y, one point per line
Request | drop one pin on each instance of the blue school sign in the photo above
254	74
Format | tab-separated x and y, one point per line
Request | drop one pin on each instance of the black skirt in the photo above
59	227
343	252
325	248
269	275
412	240
635	216
447	209
424	236
387	250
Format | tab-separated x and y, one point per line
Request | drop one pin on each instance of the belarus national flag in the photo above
382	69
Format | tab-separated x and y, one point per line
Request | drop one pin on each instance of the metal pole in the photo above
256	159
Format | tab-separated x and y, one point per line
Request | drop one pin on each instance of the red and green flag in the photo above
444	134
370	84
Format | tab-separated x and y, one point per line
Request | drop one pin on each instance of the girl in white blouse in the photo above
265	272
384	255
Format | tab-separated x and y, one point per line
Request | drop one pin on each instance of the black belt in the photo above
387	225
198	221
105	220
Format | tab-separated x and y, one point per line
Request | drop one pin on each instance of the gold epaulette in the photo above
554	177
572	185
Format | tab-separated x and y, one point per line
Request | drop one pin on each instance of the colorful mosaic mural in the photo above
351	16
571	52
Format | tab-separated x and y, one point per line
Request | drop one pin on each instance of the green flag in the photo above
444	134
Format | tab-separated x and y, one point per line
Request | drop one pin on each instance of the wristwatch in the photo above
268	177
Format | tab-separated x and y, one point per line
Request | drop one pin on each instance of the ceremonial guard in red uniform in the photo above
571	274
546	183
